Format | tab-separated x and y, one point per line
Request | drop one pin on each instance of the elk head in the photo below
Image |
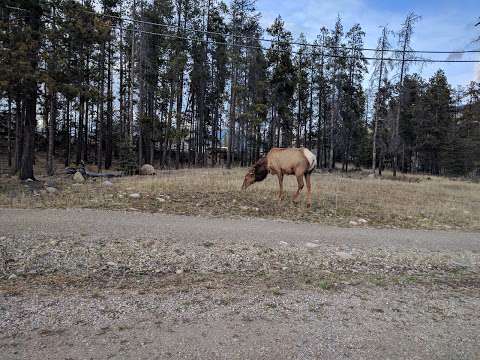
257	172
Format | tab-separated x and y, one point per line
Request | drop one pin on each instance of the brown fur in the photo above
280	162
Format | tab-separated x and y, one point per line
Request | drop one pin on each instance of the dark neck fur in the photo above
260	169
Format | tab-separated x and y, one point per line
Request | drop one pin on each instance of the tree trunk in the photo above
109	124
30	88
231	122
132	76
80	130
51	134
9	131
19	125
67	135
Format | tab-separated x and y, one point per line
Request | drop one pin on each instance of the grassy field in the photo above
342	199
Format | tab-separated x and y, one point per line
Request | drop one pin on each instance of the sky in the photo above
445	25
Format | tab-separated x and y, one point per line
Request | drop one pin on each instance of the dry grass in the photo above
413	202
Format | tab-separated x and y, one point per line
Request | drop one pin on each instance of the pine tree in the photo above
283	83
380	72
404	41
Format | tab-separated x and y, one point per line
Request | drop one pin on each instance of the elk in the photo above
284	161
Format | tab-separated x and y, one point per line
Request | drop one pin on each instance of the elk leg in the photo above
280	184
300	187
309	189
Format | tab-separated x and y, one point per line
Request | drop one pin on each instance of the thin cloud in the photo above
455	56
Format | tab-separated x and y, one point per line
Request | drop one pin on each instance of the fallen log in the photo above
85	173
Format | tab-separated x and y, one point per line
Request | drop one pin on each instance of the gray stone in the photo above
50	183
107	183
135	196
147	169
51	190
343	255
78	177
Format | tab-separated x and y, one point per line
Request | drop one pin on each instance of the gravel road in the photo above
88	284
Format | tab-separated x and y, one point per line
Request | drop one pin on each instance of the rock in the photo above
12	277
354	223
50	183
160	199
244	207
179	271
311	245
134	196
111	263
107	183
343	255
362	221
51	190
147	169
29	180
78	177
372	176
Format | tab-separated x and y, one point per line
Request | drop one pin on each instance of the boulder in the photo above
78	177
147	169
51	190
50	183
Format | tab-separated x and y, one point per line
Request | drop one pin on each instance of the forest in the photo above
196	83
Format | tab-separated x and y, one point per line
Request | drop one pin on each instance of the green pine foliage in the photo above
193	83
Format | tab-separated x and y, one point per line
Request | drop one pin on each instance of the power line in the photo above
290	42
274	41
297	52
